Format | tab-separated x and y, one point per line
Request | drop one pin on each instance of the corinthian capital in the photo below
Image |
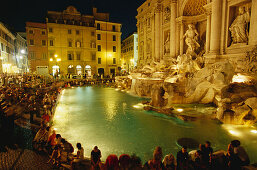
158	8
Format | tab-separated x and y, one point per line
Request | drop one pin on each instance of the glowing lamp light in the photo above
58	59
239	78
254	131
136	106
55	128
180	110
55	55
235	133
51	59
22	51
116	89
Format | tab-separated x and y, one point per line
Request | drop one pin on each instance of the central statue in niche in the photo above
191	36
239	27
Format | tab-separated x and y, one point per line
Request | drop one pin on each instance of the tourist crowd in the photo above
30	95
62	152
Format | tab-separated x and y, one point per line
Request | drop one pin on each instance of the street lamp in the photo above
56	67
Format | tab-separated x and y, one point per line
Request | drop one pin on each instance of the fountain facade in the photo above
193	51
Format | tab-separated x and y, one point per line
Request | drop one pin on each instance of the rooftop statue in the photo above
191	36
239	27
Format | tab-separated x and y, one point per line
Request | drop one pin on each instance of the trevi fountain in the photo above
197	51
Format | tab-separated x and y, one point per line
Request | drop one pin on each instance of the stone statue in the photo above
238	28
167	44
191	39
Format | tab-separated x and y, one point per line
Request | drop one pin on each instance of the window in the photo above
31	42
43	42
99	61
32	55
51	42
92	44
69	56
7	49
99	48
93	56
98	36
31	31
50	29
77	32
2	46
113	28
44	56
114	48
69	31
69	43
43	33
98	27
92	33
114	60
78	44
78	56
114	37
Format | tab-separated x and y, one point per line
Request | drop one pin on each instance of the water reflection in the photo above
108	119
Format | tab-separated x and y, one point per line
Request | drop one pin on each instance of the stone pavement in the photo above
23	159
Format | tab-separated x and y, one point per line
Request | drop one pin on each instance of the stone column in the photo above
253	24
181	38
173	11
216	21
208	31
157	32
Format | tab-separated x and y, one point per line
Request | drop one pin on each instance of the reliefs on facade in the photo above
239	27
166	15
191	40
251	61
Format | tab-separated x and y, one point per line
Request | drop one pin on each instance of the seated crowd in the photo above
61	152
39	100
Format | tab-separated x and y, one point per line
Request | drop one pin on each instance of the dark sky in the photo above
16	12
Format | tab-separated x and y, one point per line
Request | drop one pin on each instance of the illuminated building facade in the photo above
21	52
8	62
225	30
37	47
82	44
129	52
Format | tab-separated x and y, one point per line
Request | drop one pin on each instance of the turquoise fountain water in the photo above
116	123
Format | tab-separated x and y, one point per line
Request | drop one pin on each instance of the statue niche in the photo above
191	40
167	42
166	15
239	27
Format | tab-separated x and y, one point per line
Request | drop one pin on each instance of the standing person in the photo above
182	159
208	150
95	158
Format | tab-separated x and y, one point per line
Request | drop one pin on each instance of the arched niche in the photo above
193	12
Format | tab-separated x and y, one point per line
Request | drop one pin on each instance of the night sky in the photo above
15	13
